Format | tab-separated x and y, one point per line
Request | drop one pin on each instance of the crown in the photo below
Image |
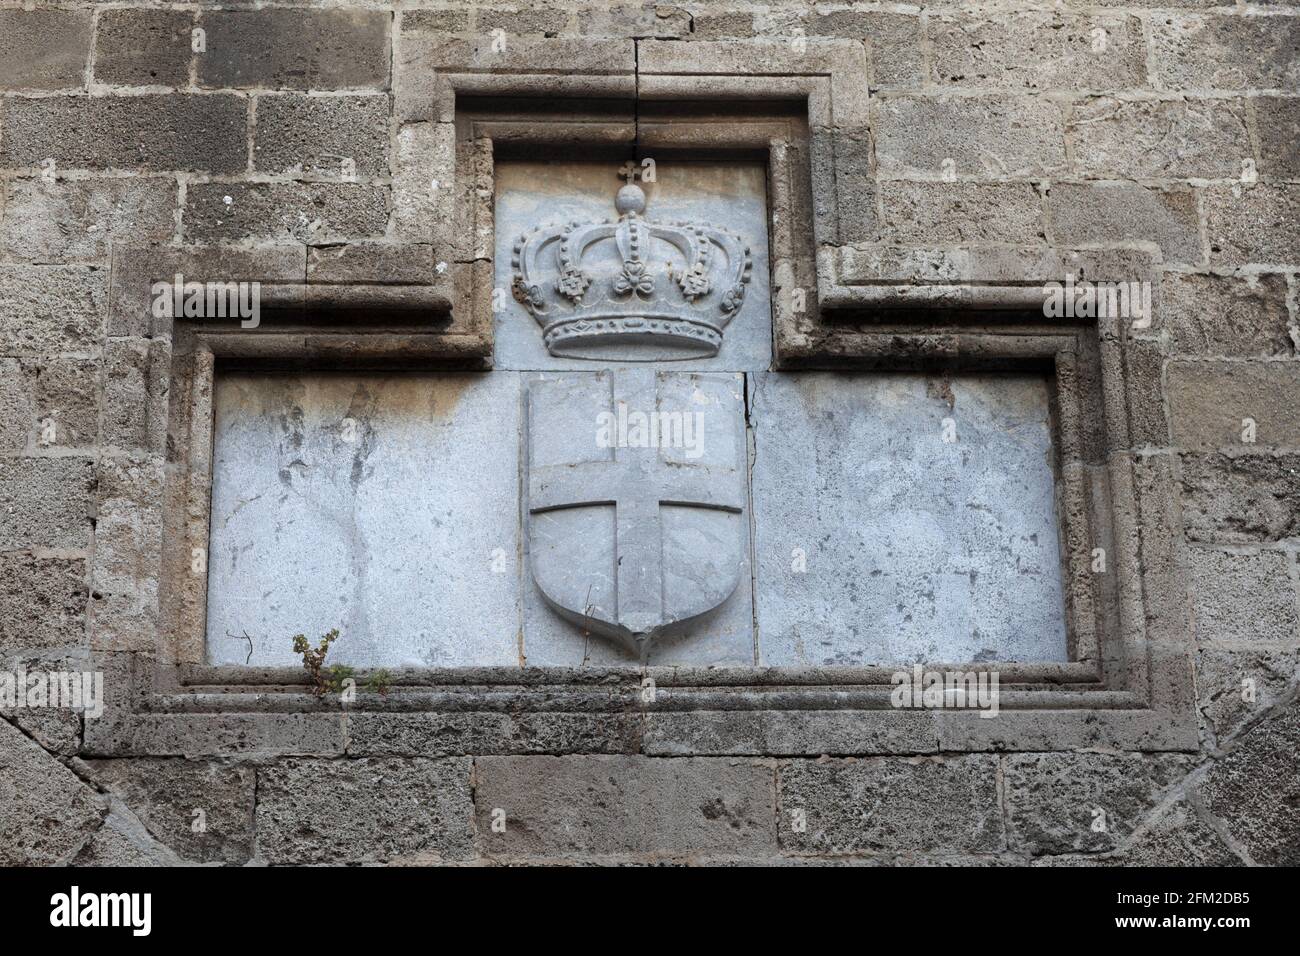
651	290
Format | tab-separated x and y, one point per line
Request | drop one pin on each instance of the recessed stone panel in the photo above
905	517
574	305
383	505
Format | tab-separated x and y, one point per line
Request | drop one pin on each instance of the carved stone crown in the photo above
648	290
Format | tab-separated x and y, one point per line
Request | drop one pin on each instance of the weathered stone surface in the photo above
1277	119
1195	52
202	810
903	565
43	49
79	220
282	48
51	308
984	137
46	502
305	537
305	212
652	21
1149	139
122	842
917	805
1239	499
125	569
1039	51
366	810
1127	212
1239	404
136	383
731	198
1180	837
372	262
1255	790
1244	597
1064	803
600	806
1235	687
46	813
336	137
42	601
1253	224
1227	315
52	402
923	212
180	131
143	47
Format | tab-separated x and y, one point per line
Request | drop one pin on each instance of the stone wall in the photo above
1162	127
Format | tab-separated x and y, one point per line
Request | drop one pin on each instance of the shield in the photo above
637	499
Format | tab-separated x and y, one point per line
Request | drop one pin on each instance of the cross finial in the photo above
629	171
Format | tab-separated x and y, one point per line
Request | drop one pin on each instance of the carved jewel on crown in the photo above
639	287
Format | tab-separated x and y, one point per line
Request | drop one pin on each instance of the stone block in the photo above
46	813
425	186
1246	405
646	21
1255	790
1211	51
878	541
1083	802
1152	139
51	308
1277	119
911	805
305	537
333	137
614	805
1241	498
42	601
521	19
43	49
1244	598
984	137
79	220
370	810
46	502
1227	315
1096	212
1236	687
166	131
372	263
301	212
144	47
137	376
50	402
1253	224
1038	51
283	48
938	213
169	797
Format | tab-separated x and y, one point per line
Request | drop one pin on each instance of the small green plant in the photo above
337	675
379	682
313	662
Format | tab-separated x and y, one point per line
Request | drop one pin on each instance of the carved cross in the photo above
637	482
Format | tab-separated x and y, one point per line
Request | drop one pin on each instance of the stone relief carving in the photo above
595	287
636	498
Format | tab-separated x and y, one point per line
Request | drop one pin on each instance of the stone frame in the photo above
1129	683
